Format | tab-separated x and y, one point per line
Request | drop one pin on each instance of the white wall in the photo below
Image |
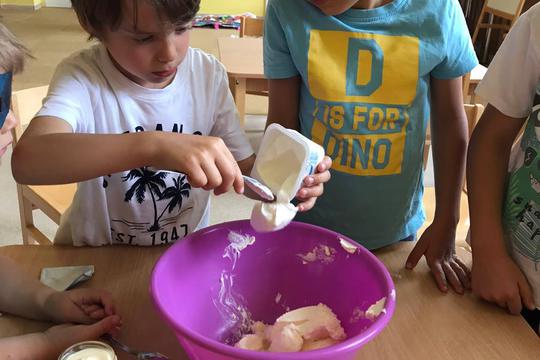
58	3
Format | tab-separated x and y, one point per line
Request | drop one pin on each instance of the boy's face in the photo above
7	120
149	53
336	7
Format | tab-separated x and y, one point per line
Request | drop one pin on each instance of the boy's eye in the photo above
181	30
143	39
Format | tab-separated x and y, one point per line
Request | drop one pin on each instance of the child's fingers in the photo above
238	183
463	266
452	277
325	164
229	171
91	308
234	174
526	294
213	175
514	304
101	299
502	303
94	331
438	274
307	205
9	123
415	255
309	192
196	177
318	178
461	273
97	314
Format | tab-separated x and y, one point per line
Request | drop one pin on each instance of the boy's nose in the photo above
167	51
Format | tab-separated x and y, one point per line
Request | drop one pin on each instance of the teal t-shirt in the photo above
365	98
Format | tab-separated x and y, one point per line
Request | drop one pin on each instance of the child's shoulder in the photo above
83	63
533	11
532	16
84	56
201	57
203	63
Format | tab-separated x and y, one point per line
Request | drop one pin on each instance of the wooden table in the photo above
243	59
426	324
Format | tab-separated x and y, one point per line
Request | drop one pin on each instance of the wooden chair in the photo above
254	27
251	26
53	200
506	10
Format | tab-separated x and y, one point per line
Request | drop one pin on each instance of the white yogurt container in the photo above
89	350
284	159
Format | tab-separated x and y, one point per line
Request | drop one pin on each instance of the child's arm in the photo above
283	102
449	134
21	294
25	296
283	110
495	277
49	153
51	343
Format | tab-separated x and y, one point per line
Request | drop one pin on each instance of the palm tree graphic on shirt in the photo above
146	180
176	194
154	183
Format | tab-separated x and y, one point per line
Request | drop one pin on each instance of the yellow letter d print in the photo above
361	67
364	67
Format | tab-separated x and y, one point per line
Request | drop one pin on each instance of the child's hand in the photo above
82	306
205	160
314	185
58	338
496	278
9	124
437	244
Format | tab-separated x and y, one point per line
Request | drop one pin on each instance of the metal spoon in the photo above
140	355
257	191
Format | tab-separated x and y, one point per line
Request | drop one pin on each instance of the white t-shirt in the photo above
141	206
510	85
514	73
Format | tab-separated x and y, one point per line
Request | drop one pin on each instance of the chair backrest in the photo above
505	9
25	104
52	200
251	26
508	9
473	112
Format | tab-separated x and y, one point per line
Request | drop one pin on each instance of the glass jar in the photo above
89	350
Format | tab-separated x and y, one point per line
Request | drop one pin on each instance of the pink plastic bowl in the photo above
186	282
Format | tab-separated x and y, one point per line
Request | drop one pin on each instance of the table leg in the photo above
238	90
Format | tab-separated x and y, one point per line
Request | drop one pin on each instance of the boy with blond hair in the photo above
25	296
144	123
